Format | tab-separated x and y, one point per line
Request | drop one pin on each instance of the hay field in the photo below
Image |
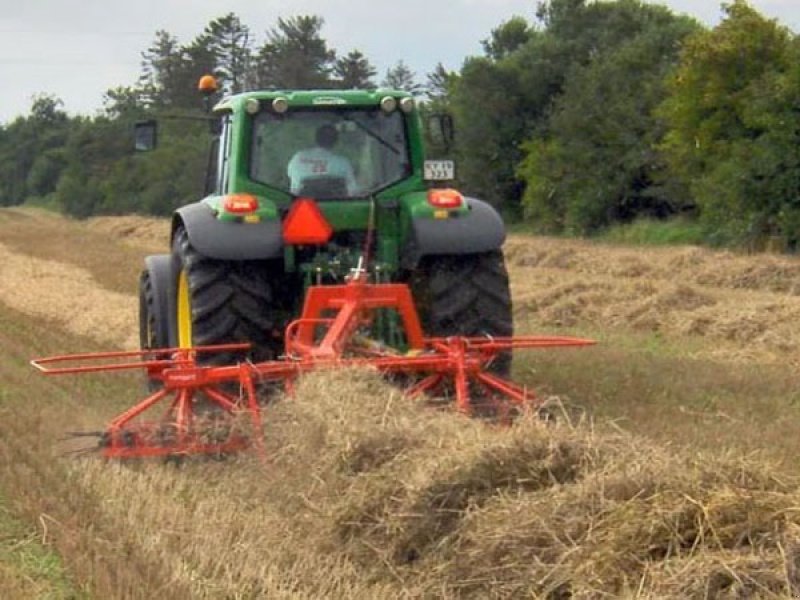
678	481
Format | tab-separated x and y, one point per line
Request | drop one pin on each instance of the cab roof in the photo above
312	98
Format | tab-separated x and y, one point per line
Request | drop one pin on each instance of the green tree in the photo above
353	71
160	181
439	83
17	154
76	195
733	113
295	56
401	77
46	111
92	149
506	98
507	38
227	39
30	161
124	101
597	161
170	72
45	172
162	64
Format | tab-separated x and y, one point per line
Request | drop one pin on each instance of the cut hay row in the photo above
700	266
149	233
366	494
68	296
746	305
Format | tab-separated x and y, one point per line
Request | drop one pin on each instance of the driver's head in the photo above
327	136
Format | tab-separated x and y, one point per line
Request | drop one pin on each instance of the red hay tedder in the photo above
454	365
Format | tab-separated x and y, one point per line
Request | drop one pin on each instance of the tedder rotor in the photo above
327	335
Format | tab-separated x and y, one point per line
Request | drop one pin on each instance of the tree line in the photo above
85	165
588	115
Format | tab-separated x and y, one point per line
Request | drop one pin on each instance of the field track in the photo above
676	476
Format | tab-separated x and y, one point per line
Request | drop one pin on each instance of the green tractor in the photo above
304	187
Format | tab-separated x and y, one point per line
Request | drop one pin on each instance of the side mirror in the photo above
145	135
441	130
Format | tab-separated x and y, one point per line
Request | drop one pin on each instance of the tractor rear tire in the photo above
223	302
466	295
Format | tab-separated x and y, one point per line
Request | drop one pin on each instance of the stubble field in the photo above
675	476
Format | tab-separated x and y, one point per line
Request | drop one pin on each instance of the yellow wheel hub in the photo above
184	312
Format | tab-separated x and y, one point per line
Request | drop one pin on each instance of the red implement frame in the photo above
457	364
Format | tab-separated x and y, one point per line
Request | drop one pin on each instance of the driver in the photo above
321	162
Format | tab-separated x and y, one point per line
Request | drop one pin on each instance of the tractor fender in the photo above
162	282
227	240
481	229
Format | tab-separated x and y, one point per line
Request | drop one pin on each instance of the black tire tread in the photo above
153	332
148	324
232	301
466	295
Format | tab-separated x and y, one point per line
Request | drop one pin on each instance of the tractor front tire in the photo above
466	295
153	330
223	302
154	323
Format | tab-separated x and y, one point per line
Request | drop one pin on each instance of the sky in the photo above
78	49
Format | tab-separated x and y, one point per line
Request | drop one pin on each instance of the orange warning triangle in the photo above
306	225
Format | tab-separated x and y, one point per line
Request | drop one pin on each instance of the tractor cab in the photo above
327	145
329	154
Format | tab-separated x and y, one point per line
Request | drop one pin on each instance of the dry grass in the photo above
743	308
369	495
366	494
143	233
69	297
113	263
644	384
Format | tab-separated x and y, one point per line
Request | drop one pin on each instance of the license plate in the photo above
440	170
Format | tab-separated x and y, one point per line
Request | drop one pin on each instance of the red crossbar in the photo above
354	303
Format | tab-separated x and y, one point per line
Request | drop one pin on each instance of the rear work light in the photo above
306	225
240	204
445	198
